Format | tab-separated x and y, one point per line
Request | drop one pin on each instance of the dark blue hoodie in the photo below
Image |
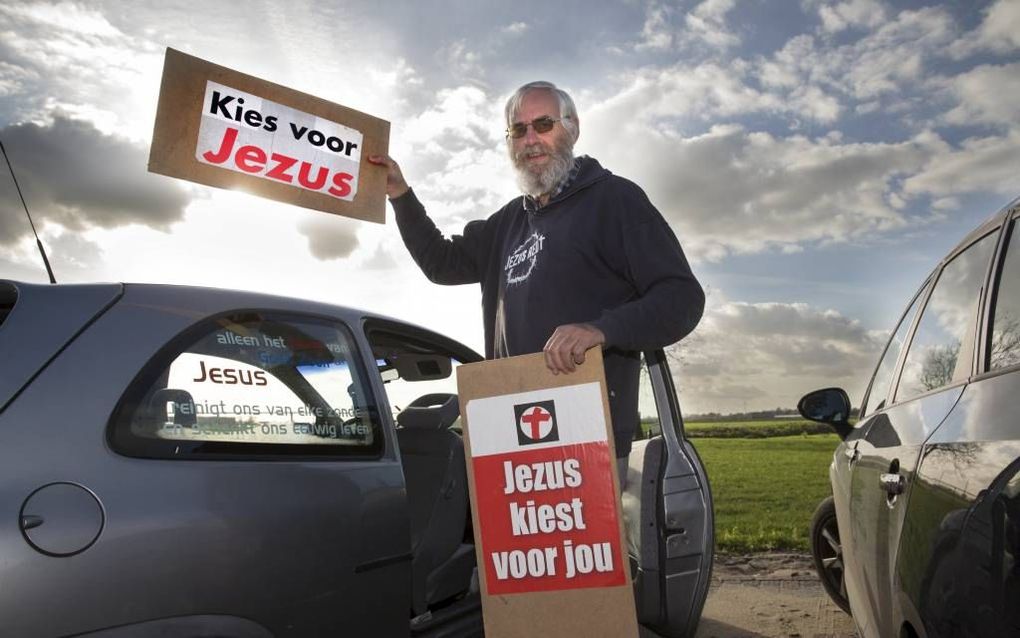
597	253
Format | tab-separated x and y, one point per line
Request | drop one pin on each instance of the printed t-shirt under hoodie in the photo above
597	253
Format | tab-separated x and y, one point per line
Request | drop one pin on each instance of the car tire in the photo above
827	552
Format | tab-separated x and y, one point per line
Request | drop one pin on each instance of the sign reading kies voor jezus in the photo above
219	127
244	133
545	499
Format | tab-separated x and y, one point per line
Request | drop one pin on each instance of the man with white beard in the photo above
581	260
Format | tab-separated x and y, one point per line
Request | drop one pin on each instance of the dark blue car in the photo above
922	534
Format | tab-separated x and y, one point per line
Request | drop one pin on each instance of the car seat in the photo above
436	478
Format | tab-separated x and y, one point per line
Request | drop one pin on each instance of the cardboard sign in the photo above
545	499
222	128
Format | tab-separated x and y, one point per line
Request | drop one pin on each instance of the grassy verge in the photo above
754	429
766	489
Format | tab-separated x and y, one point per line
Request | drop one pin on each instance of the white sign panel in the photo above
499	424
247	134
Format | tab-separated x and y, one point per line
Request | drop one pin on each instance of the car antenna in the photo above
42	251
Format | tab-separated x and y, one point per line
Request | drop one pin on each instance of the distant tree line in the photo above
759	415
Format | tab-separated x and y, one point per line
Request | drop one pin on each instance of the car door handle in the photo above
851	454
893	484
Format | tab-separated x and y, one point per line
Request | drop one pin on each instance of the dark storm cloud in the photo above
74	175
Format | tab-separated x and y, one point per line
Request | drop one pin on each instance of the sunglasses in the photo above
542	124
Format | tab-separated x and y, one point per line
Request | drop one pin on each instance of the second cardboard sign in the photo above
545	499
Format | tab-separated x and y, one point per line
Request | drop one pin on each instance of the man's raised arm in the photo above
443	260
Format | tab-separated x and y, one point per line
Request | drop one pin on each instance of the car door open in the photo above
668	514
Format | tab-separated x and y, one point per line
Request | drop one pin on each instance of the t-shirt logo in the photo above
536	422
522	260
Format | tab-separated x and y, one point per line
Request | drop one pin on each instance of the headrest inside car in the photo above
430	412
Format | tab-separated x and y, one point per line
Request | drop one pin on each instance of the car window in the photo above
941	349
1004	343
649	422
884	373
257	384
401	391
412	367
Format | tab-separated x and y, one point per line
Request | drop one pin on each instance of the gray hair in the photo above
568	112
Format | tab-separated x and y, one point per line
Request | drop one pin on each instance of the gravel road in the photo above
770	595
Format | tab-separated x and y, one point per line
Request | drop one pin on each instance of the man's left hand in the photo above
566	347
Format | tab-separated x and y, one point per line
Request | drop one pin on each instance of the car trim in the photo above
385	561
982	363
921	292
62	348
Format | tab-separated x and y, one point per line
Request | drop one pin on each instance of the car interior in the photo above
444	583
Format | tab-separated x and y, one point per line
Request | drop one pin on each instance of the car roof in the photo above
204	301
993	221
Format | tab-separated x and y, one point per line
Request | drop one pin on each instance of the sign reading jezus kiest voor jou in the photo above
223	128
544	498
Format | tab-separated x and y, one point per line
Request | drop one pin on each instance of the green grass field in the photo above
766	489
754	429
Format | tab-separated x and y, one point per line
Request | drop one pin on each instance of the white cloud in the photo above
988	164
999	32
987	94
69	57
515	28
704	25
856	13
734	191
452	153
784	351
711	92
381	258
707	23
461	60
657	32
885	62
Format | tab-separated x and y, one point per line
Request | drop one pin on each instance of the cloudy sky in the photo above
815	158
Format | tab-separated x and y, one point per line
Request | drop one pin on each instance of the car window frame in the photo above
978	318
122	442
413	334
1010	225
921	298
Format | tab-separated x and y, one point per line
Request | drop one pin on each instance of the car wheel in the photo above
828	553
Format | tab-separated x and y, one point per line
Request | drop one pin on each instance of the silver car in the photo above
196	462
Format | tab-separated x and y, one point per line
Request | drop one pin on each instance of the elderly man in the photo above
582	260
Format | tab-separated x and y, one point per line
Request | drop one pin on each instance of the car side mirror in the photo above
830	405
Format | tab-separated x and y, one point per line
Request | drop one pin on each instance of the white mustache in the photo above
531	150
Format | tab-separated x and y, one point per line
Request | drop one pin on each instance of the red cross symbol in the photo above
535	418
